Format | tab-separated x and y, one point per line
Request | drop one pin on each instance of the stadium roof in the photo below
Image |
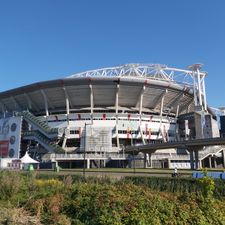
152	82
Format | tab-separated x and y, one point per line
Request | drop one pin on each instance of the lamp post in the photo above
84	149
134	163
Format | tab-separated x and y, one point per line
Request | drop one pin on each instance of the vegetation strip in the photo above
60	199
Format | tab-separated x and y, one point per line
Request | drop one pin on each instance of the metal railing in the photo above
40	138
40	125
88	156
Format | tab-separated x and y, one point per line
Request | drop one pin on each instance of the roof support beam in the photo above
177	110
45	101
175	101
117	98
140	99
186	105
16	104
162	104
30	103
204	95
4	107
91	101
67	101
117	106
28	100
140	103
159	99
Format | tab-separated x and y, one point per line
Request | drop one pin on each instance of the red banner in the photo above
4	148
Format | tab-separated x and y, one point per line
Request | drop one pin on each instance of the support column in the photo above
186	127
210	162
200	164
88	163
46	103
117	106
204	94
161	106
214	160
177	111
64	142
169	163
199	88
145	161
140	112
67	105
196	159
223	158
161	111
195	94
150	160
67	101
192	159
91	102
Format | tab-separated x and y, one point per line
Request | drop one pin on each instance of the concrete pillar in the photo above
200	164
210	162
91	102
117	106
186	129
150	160
169	163
196	159
192	159
223	158
145	161
214	160
64	142
88	163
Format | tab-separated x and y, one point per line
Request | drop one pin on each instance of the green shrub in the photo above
66	200
178	185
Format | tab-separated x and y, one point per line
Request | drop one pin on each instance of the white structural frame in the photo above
152	71
193	77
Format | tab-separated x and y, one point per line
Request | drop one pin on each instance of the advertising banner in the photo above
10	137
4	149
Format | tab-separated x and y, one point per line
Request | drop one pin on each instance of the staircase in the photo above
44	141
40	125
210	150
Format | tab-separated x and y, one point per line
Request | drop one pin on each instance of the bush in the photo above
10	184
178	185
132	200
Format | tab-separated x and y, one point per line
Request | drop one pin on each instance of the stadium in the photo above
91	117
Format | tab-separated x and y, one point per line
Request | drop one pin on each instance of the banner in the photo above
4	149
10	137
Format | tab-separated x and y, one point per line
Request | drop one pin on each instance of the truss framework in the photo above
148	71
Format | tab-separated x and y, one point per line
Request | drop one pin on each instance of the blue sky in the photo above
49	39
